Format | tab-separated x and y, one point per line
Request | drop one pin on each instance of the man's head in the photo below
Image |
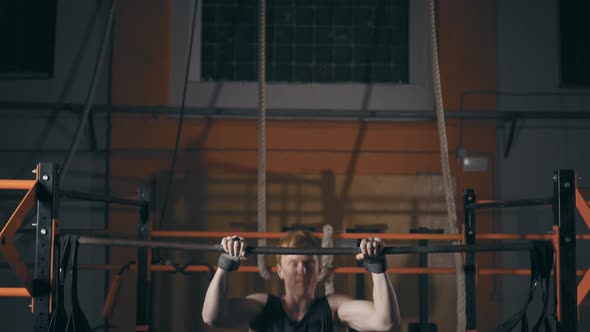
299	272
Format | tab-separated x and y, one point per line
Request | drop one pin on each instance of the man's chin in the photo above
302	289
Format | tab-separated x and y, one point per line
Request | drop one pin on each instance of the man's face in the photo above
300	274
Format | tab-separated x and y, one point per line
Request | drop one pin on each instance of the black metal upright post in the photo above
142	318
423	325
469	268
565	211
47	200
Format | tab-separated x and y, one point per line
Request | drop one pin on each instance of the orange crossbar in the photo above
14	292
583	207
347	270
7	248
583	287
17	184
276	235
350	270
247	268
500	236
520	272
557	271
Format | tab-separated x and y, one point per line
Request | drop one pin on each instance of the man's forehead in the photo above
303	258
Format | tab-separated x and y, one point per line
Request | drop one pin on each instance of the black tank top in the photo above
273	318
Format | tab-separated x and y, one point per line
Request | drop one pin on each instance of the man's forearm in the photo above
216	300
385	300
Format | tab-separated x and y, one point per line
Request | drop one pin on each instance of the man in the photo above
299	309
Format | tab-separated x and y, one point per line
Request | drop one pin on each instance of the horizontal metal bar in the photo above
288	114
304	251
276	235
17	184
101	198
14	292
339	270
507	236
512	203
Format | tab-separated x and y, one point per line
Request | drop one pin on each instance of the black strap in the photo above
227	262
544	265
519	317
541	265
59	316
375	264
77	321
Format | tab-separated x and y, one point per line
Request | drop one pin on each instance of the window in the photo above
27	38
574	47
317	41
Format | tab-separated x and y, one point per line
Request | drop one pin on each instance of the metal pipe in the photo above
302	114
519	94
303	251
514	203
277	235
101	198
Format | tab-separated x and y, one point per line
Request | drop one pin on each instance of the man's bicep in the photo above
354	313
244	310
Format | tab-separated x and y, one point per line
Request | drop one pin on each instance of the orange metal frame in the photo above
584	209
17	184
344	270
557	269
7	248
13	258
581	205
14	292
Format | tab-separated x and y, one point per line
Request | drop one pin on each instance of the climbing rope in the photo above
326	276
263	269
447	182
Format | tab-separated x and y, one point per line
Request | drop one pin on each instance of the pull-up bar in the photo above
525	246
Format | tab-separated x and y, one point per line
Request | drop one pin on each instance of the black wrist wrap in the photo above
228	263
375	264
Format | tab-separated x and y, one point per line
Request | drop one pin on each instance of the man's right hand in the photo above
235	251
235	246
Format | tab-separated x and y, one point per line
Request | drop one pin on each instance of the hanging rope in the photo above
447	182
88	103
326	276
263	269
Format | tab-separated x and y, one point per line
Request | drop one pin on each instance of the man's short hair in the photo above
298	239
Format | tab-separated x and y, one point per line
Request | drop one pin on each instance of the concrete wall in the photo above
528	61
27	138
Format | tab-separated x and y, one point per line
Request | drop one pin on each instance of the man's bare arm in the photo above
218	309
380	315
221	311
383	313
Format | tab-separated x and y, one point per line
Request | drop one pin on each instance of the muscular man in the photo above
299	309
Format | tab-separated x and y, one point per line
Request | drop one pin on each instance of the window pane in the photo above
307	41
